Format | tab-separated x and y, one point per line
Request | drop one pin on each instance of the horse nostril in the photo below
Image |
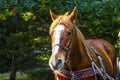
59	63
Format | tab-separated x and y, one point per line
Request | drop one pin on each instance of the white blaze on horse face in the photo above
58	29
57	32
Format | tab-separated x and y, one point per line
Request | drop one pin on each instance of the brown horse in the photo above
73	57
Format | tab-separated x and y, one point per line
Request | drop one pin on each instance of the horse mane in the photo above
81	41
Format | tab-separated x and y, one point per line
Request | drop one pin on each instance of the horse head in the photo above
62	34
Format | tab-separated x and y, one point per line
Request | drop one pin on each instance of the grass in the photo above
4	76
19	76
41	74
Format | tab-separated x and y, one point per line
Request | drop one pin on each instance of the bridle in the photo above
68	49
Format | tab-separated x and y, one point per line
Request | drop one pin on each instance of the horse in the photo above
75	58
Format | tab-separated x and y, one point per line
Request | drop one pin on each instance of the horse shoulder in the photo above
106	50
104	45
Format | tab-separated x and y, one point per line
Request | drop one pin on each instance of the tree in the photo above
19	36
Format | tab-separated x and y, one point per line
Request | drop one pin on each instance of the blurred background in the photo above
25	44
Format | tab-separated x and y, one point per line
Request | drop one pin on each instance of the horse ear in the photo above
53	16
73	14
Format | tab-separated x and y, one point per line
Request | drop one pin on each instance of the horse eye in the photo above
69	33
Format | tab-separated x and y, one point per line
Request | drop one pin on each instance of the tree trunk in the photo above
13	69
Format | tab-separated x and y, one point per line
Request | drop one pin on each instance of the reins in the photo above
102	69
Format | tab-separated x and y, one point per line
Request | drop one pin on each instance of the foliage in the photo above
118	46
20	35
42	74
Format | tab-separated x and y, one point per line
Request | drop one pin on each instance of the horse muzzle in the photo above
56	65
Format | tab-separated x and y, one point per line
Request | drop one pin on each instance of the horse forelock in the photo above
62	19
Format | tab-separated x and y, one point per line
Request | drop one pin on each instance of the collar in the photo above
81	74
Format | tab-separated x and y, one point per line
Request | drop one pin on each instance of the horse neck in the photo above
79	58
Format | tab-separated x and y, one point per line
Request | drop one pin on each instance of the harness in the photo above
76	75
94	70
